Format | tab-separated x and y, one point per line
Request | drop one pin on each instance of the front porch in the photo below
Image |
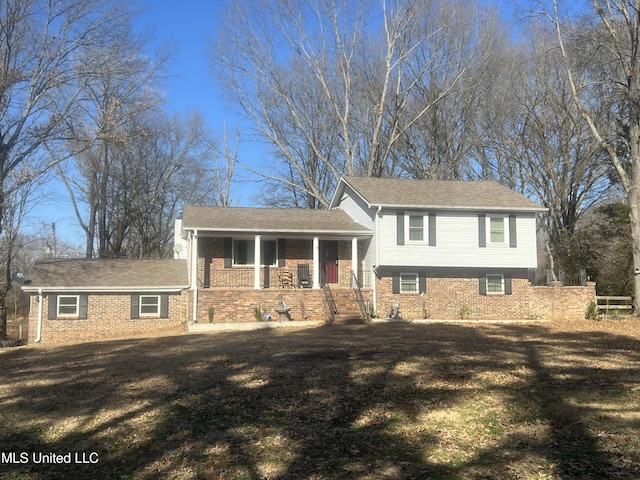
262	262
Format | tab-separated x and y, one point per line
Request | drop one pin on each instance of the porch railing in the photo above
243	277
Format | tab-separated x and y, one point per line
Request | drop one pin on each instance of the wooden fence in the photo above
615	305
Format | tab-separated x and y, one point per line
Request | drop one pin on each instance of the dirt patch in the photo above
444	401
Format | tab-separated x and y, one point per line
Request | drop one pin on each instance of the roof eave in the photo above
463	208
281	231
95	289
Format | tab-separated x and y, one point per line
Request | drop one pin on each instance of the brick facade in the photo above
454	294
240	305
108	318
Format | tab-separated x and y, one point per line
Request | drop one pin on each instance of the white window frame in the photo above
405	281
156	313
407	228
495	275
76	314
251	252
505	230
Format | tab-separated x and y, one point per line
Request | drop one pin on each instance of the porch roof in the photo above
108	275
271	220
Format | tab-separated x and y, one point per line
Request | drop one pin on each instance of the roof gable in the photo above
436	194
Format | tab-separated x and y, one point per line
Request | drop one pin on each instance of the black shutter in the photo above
281	249
432	229
396	283
400	228
228	252
83	307
482	230
482	282
507	284
135	306
513	241
164	306
422	283
53	307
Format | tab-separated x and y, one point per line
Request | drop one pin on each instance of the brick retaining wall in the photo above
239	305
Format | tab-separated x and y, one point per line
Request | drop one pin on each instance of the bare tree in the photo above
562	164
611	47
334	85
41	68
126	88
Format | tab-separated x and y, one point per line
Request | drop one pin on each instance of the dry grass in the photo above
393	401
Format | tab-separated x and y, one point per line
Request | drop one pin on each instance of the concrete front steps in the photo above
347	308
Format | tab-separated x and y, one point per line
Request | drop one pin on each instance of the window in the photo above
149	305
495	284
496	229
408	283
416	228
244	252
68	305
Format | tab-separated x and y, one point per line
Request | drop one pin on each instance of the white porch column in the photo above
194	274
354	257
256	263
316	262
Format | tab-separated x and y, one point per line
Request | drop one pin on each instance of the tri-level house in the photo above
432	249
444	249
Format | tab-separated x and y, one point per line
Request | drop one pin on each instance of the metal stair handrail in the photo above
355	284
333	310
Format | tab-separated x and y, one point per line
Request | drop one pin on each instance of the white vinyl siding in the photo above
357	209
457	244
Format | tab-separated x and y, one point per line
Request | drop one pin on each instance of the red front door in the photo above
329	260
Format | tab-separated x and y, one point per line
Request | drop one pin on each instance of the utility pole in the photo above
53	240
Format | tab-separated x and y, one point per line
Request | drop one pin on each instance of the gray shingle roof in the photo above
103	274
473	195
271	220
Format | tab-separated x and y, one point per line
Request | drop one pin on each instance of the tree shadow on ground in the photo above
333	402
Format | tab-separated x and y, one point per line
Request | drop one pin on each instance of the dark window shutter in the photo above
432	229
482	282
396	283
507	284
228	252
422	283
513	241
164	306
83	307
482	230
135	306
281	249
53	307
400	227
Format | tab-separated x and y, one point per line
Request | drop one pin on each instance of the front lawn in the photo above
397	401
